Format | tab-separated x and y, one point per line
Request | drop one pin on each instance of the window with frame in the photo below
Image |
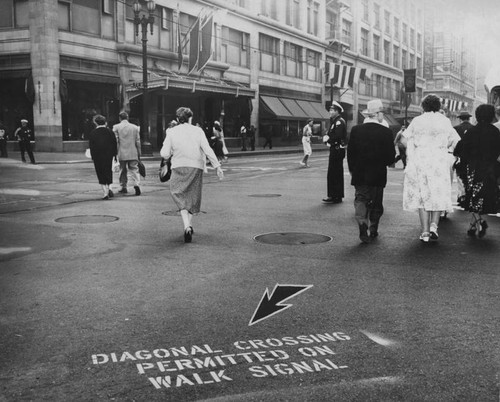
167	18
405	33
346	31
364	5
269	53
387	22
376	47
186	22
419	42
313	65
387	52
376	15
396	28
395	56
331	24
15	13
235	48
312	17
412	38
364	42
404	59
419	67
93	17
268	9
293	64
412	61
292	13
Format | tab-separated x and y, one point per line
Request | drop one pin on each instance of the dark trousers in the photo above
335	175
269	142
252	143
368	205
3	148
25	146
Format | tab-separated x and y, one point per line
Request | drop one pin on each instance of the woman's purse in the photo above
165	170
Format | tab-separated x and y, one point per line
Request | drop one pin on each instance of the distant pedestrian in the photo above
3	142
103	148
218	141
306	142
336	139
462	128
478	151
251	137
188	147
243	136
268	135
427	184
370	151
401	148
24	135
129	153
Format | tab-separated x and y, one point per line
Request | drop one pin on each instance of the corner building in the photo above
61	62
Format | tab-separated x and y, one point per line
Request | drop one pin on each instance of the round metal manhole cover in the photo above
176	213
292	238
87	219
265	195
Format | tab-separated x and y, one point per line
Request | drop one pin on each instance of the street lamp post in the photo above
143	21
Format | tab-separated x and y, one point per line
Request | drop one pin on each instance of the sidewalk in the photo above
79	157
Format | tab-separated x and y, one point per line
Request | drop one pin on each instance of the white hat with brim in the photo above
24	121
336	104
373	106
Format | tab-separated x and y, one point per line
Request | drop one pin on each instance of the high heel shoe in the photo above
483	225
188	234
425	237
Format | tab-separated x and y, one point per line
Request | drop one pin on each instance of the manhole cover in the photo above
176	213
265	195
292	238
87	219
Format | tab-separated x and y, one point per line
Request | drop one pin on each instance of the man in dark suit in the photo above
465	124
370	151
336	139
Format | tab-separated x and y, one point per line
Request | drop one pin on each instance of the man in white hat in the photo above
336	139
370	151
24	135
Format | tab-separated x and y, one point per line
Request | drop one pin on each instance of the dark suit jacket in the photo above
370	151
462	128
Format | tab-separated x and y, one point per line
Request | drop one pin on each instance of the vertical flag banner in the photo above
205	53
194	46
344	76
410	77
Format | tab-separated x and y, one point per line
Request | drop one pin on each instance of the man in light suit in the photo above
370	151
129	152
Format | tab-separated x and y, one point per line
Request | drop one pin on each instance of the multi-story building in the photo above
383	37
61	62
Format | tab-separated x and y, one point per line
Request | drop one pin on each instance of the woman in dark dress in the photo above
478	151
102	144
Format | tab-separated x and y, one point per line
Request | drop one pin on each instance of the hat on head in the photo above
24	121
373	107
464	114
337	105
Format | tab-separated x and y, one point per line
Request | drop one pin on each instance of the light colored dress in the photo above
306	139
427	183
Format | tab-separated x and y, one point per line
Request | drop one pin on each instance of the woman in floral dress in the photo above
478	151
427	184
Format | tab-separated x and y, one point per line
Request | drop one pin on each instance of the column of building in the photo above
44	40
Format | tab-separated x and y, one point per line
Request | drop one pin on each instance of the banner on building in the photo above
344	76
410	78
194	46
205	49
180	56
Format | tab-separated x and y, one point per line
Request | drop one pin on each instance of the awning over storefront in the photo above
192	85
291	109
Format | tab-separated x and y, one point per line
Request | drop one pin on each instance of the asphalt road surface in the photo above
274	300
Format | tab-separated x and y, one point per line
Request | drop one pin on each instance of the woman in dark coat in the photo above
478	151
102	144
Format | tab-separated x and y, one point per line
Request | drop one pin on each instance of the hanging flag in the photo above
409	78
29	89
180	56
205	52
344	76
194	46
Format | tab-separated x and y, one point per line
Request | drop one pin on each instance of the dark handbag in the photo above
142	169
165	170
